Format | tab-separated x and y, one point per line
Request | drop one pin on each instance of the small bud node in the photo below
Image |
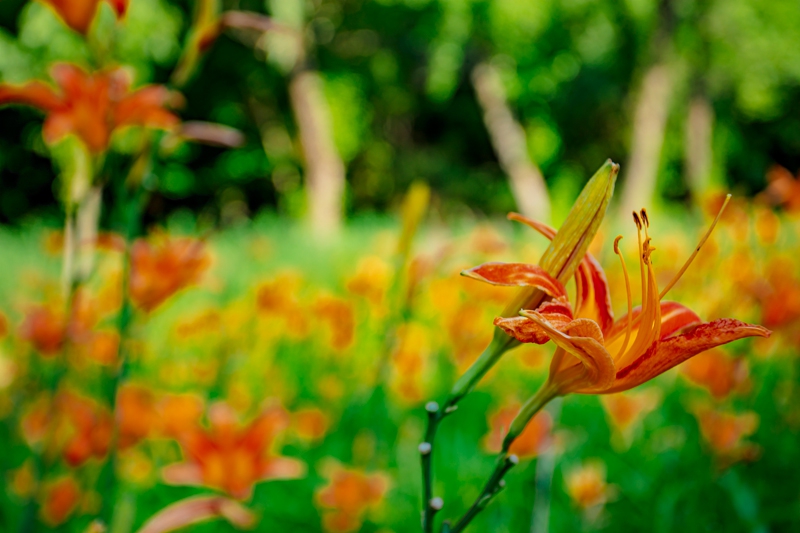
436	503
425	448
432	407
451	409
513	459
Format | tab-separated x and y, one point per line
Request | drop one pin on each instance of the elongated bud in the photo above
415	205
570	244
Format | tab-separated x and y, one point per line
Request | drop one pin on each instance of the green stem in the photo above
493	486
500	344
429	506
507	461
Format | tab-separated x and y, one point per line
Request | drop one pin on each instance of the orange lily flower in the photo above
92	106
231	457
648	341
79	14
348	495
164	266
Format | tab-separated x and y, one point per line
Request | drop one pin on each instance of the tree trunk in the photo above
508	140
650	122
698	147
325	171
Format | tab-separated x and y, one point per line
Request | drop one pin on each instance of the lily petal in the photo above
283	468
199	509
582	339
678	348
557	312
517	275
34	94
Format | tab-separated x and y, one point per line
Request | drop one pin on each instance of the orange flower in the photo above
586	484
310	424
61	498
45	329
179	414
648	341
89	426
625	410
231	457
163	266
348	495
136	414
340	317
79	14
535	439
92	106
718	373
725	432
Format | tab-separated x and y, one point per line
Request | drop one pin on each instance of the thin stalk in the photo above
430	505
493	486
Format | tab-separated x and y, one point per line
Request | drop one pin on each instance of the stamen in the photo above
629	325
636	220
696	250
644	218
641	252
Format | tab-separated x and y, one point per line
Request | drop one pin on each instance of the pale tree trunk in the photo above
509	143
325	171
649	125
698	147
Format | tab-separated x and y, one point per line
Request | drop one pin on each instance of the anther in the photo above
644	217
616	244
636	220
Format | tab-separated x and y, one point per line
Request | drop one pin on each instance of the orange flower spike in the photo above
79	14
160	269
92	106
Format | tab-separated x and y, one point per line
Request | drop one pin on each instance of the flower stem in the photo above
429	506
493	486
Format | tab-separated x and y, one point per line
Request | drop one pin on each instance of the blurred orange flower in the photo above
718	373
79	14
310	424
626	409
349	494
534	439
339	315
725	432
45	329
60	499
279	298
233	457
136	414
371	281
179	414
92	106
162	266
586	484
